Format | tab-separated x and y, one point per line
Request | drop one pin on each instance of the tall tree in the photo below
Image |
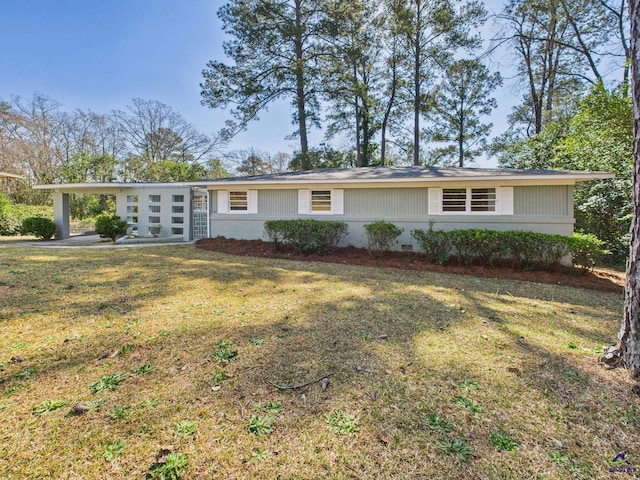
353	74
629	336
463	96
275	50
430	33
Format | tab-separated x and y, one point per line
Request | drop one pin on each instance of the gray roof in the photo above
384	174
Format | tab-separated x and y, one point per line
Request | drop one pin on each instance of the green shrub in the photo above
586	249
436	244
12	216
40	227
381	235
306	236
110	226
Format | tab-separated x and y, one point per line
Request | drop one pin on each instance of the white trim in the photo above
435	201
223	201
505	200
304	202
337	201
252	201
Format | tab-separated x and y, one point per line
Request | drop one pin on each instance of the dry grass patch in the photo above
429	375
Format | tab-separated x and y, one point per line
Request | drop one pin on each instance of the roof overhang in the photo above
108	188
9	175
564	178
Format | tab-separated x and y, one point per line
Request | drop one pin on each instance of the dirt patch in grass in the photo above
600	279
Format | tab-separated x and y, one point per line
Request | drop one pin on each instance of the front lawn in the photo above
118	363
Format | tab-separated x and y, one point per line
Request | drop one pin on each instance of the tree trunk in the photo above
416	104
300	94
628	346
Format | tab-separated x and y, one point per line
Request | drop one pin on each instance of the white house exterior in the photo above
237	207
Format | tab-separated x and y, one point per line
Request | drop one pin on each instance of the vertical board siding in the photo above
385	202
278	202
543	200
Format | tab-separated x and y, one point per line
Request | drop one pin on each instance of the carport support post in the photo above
61	214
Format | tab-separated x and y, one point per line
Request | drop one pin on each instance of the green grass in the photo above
410	401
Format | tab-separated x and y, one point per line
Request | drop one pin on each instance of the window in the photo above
132	198
132	209
154	220
132	220
177	231
471	200
321	200
154	198
483	199
177	198
154	208
238	201
454	199
177	220
177	209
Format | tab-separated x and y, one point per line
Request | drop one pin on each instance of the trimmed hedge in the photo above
40	227
306	236
529	250
380	236
110	226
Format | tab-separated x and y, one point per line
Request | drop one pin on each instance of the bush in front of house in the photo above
381	236
436	244
39	227
587	250
306	236
110	226
528	250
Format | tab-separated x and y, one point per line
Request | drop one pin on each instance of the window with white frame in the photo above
471	200
237	201
177	198
154	208
154	198
321	202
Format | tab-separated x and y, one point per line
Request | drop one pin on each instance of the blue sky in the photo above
98	55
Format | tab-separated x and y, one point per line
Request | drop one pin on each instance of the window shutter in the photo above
223	201
435	201
304	202
337	201
505	195
252	201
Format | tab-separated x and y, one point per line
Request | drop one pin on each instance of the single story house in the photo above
409	197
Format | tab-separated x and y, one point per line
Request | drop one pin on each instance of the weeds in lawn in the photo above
108	382
172	469
186	428
24	374
456	447
112	449
150	403
146	368
48	406
219	377
261	425
438	424
469	404
126	348
468	385
118	413
502	442
271	407
256	341
225	352
342	423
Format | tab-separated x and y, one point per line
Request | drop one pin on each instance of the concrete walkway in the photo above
95	241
